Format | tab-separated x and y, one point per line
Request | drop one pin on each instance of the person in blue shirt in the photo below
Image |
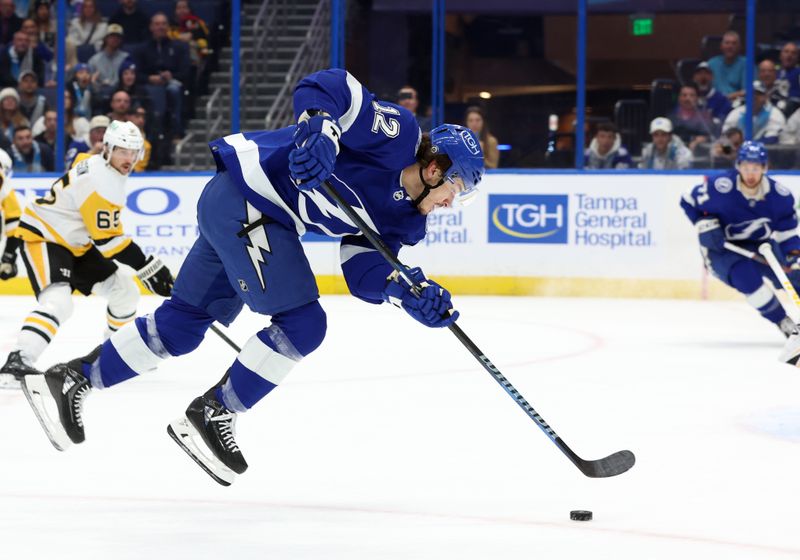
746	207
729	67
267	192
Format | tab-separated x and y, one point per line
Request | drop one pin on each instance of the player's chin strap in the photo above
428	188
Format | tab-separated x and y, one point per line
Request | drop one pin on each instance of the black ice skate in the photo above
57	397
207	434
14	370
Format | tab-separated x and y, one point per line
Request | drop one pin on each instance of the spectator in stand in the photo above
75	127
133	20
31	104
41	49
192	30
51	68
788	78
777	92
28	155
81	90
120	105
708	98
407	97
105	65
48	135
18	57
475	120
725	150
128	83
729	67
45	23
667	150
10	116
10	22
97	128
163	67
89	27
768	121
138	116
692	124
606	150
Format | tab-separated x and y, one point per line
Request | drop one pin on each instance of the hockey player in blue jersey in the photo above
266	194
745	207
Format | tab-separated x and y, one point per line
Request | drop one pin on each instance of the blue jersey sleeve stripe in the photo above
256	179
356	99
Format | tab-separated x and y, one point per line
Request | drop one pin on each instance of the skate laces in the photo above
226	426
77	403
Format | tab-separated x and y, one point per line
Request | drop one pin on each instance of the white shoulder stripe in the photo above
256	179
347	252
781	236
356	98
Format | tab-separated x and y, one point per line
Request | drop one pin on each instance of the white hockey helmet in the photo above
121	134
6	165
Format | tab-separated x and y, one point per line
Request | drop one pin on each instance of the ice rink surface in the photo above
390	442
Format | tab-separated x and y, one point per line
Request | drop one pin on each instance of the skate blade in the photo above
187	437
791	351
9	382
38	393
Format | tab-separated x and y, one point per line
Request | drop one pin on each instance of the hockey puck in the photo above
580	515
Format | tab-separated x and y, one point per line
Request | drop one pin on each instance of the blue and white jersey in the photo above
378	141
745	221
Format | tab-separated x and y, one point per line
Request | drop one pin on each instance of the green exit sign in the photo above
641	26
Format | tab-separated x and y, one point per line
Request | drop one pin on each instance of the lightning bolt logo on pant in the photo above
258	243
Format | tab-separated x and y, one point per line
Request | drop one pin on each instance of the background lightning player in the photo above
9	219
747	208
71	238
266	193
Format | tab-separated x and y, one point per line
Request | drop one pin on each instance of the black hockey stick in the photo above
614	464
224	337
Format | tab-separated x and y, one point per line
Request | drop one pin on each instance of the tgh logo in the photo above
528	218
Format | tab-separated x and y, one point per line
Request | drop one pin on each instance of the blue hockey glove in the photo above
317	141
431	307
711	235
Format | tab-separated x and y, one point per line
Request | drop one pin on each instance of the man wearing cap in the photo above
708	97
31	104
667	151
81	90
16	58
407	97
105	64
78	149
768	121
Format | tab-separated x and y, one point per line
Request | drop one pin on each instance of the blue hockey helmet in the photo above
464	150
752	151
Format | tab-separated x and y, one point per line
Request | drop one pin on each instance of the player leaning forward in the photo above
266	193
71	238
747	208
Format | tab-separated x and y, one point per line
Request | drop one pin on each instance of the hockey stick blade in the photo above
613	465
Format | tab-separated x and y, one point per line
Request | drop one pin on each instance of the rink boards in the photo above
603	234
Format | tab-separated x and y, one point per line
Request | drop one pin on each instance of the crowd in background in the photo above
708	120
128	65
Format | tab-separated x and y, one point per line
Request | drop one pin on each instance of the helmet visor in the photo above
462	195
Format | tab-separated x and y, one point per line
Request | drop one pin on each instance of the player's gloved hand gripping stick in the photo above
614	464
